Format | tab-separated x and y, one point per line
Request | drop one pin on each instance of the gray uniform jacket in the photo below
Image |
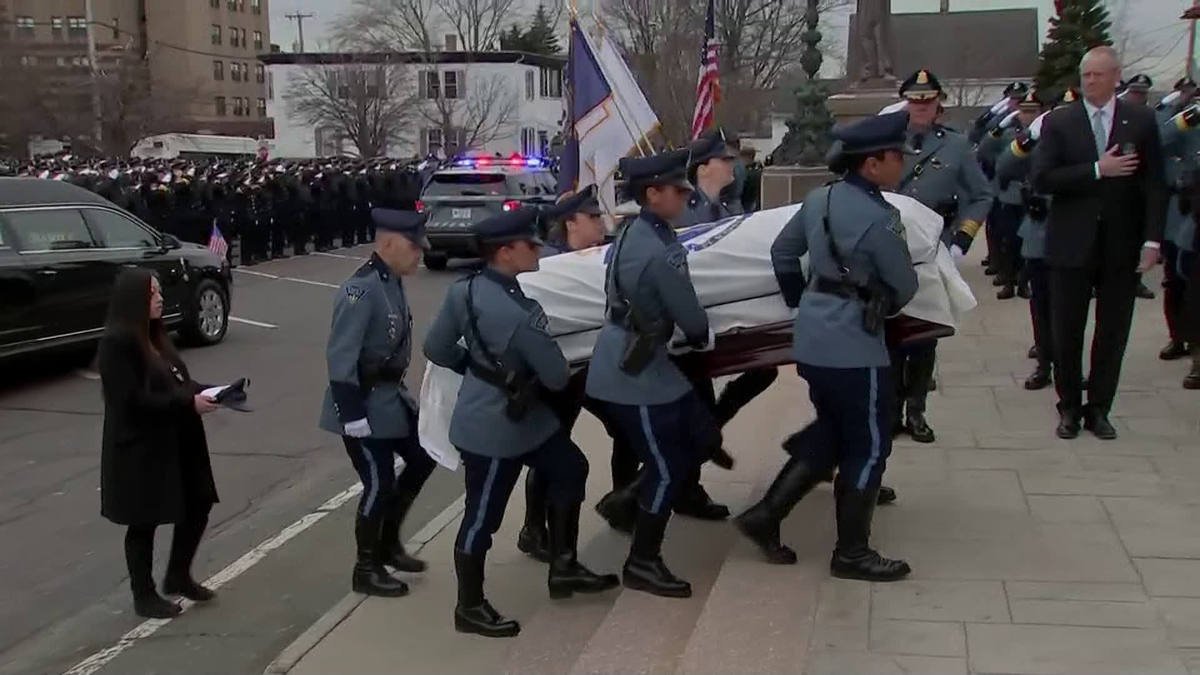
1181	150
1014	166
513	327
870	239
700	209
652	271
990	149
371	322
732	194
944	171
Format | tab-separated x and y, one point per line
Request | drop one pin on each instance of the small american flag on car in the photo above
216	242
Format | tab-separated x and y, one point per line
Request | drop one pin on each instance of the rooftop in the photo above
413	57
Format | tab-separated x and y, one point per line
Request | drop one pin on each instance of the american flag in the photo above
708	85
216	242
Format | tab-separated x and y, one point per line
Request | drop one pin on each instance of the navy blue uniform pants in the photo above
671	441
490	480
374	460
1039	308
851	430
1007	241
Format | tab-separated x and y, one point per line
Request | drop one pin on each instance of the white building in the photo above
496	102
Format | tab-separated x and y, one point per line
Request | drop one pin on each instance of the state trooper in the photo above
860	272
574	223
1004	223
945	176
649	294
710	170
1181	144
1012	172
368	403
502	421
991	118
1137	91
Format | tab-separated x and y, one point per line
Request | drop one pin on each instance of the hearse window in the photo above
49	230
116	231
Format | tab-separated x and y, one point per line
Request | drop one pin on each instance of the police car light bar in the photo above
515	160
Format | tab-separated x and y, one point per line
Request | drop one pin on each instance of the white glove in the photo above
957	253
678	344
1010	120
712	342
1035	128
1170	98
894	107
1001	105
357	428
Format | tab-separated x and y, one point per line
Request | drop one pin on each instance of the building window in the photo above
61	61
256	6
27	60
328	141
433	142
262	107
76	26
543	142
231	4
233	36
215	34
80	61
529	85
116	28
218	70
242	6
239	72
431	84
453	83
215	4
260	73
258	40
551	83
271	86
527	138
25	27
56	27
242	37
220	106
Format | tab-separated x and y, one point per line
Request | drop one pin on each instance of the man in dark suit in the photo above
1101	160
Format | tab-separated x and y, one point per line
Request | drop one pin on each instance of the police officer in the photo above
649	293
574	224
1137	91
368	403
860	273
945	176
1012	172
1181	146
991	118
501	421
710	170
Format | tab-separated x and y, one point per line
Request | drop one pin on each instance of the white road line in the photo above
338	255
310	283
248	322
256	274
254	556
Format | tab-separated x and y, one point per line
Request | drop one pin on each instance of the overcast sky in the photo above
1154	39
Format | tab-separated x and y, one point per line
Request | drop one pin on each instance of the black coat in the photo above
154	464
1125	212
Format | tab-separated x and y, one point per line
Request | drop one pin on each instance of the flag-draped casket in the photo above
730	266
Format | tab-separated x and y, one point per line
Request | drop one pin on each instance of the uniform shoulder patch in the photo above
538	319
355	292
895	224
676	257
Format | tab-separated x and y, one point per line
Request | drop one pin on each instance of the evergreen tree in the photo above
1079	26
540	38
513	40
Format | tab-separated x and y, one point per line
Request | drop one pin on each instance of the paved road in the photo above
63	592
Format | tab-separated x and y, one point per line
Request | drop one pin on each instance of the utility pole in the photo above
97	127
945	6
299	18
1191	53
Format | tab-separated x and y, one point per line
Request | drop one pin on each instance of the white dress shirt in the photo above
1110	111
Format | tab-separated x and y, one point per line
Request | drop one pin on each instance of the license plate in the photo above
464	214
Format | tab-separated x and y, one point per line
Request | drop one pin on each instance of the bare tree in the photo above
382	25
478	23
468	118
369	104
134	104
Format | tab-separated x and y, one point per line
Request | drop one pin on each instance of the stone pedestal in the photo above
783	185
863	101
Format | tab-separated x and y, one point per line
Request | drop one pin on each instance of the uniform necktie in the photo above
1098	131
918	142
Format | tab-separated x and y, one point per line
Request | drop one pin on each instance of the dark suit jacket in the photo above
1124	212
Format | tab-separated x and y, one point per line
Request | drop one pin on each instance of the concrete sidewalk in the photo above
1031	555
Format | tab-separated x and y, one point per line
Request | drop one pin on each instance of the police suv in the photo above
472	189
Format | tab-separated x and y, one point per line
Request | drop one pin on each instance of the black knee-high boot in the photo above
391	549
645	569
567	575
854	558
370	576
473	613
533	538
761	522
139	557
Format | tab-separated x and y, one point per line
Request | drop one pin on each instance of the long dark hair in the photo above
129	318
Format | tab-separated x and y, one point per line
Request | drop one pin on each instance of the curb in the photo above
330	620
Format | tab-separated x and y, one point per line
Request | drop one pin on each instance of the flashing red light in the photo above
420	206
516	161
511	205
483	161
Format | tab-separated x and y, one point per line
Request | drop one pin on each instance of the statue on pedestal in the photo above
874	28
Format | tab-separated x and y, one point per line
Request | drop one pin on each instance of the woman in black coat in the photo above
154	466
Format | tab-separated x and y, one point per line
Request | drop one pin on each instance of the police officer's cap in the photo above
1032	100
874	134
1140	82
1068	96
667	168
584	201
517	225
408	223
1185	83
1016	90
712	144
922	86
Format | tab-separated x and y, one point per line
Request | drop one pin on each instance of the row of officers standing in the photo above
520	397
